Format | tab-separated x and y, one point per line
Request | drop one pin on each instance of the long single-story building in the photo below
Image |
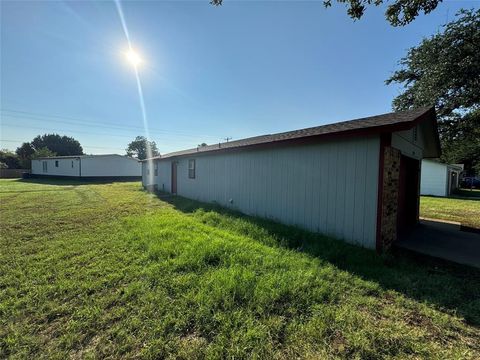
357	180
88	166
439	179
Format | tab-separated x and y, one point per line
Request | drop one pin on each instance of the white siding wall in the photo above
148	172
90	166
164	179
64	167
409	144
434	178
329	187
110	166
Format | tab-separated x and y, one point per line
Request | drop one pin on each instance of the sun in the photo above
133	58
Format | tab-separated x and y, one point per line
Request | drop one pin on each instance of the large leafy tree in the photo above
46	145
139	148
61	145
43	152
398	13
444	70
9	159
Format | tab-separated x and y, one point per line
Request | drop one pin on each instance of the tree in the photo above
56	144
9	159
25	152
61	145
461	140
139	148
444	70
43	152
399	12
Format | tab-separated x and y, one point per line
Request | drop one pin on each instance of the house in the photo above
439	179
356	180
88	166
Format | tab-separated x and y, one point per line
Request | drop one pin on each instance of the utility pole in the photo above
227	139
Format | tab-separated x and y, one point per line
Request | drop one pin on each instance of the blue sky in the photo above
243	69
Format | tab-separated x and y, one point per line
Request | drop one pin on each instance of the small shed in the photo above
356	180
439	179
88	166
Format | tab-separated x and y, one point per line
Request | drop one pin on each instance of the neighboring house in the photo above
88	166
356	180
439	179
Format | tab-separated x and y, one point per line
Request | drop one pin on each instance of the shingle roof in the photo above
377	123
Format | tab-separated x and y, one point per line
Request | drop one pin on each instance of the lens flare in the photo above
133	57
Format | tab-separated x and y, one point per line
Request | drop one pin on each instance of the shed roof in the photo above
390	122
82	156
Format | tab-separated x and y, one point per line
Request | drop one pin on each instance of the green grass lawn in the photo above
465	210
107	270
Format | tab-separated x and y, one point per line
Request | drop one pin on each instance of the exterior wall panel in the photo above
330	187
410	142
86	166
64	167
433	179
110	166
164	180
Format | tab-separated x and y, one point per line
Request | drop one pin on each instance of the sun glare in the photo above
133	58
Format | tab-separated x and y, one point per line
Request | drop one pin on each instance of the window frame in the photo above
192	169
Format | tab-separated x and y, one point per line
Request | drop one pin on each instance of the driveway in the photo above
443	240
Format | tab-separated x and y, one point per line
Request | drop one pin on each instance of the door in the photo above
174	177
408	193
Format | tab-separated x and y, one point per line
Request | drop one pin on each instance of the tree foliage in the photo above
444	70
139	148
43	152
461	140
9	159
47	145
25	150
61	145
399	12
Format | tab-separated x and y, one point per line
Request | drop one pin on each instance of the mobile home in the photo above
88	166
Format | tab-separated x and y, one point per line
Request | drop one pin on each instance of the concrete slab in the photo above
443	240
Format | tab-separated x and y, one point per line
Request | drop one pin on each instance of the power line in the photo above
70	131
63	130
86	146
45	117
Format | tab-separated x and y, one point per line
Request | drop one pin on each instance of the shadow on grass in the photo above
466	194
74	181
450	287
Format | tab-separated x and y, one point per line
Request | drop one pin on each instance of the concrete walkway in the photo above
443	240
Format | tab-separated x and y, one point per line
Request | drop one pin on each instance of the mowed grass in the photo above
107	270
463	210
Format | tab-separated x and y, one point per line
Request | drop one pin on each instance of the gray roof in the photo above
394	121
82	156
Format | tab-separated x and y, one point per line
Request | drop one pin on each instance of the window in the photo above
191	169
72	163
44	166
155	171
415	135
56	163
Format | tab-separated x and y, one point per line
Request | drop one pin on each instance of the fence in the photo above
12	173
